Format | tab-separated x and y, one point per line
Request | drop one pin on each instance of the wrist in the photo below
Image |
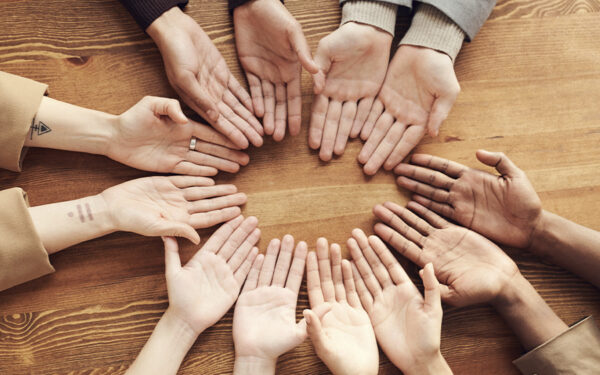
434	365
541	233
179	329
254	365
159	29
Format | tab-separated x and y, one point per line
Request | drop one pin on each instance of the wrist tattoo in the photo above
80	213
39	128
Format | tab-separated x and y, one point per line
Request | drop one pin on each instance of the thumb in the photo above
171	108
439	112
177	229
300	45
324	64
172	260
498	160
314	329
319	311
432	288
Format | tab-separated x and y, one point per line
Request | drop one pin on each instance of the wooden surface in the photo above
530	88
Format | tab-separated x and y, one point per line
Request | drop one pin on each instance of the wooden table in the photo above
530	88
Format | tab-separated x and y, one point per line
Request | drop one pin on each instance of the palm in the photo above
265	322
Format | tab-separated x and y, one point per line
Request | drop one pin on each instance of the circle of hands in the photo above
354	304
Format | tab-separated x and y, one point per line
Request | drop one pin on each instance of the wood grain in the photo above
530	88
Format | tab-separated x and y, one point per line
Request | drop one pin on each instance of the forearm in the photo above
64	126
254	365
64	224
159	29
369	12
568	245
166	348
527	314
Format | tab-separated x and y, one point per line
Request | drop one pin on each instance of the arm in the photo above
145	12
469	15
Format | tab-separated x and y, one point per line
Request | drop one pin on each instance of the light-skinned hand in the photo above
407	326
171	206
504	208
343	338
202	291
471	268
154	135
352	62
199	74
417	94
272	49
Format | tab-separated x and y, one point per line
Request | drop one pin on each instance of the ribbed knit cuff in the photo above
433	29
374	13
146	11
236	3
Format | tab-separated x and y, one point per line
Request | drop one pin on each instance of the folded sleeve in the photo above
236	3
22	254
146	11
433	29
469	15
379	14
20	99
575	351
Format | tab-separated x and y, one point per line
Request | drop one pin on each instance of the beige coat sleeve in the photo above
575	351
20	99
22	255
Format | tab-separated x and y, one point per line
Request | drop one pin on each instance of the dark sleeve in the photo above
146	11
236	3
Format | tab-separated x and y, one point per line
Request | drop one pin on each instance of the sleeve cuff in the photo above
146	11
575	351
20	99
22	254
236	3
433	29
375	13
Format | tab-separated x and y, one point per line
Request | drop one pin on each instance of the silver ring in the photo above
193	143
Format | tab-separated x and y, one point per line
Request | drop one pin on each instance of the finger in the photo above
242	271
205	205
424	175
366	299
294	278
336	272
498	160
346	120
222	152
173	228
363	267
428	215
394	268
238	237
268	268
376	111
438	195
208	219
313	282
190	181
405	247
447	167
439	112
301	326
168	107
229	130
315	330
349	285
450	296
189	86
384	149
221	235
441	208
379	270
283	261
410	139
202	159
280	112
431	286
238	257
300	45
317	121
244	121
294	105
252	279
399	224
268	90
172	260
364	108
384	123
240	93
325	270
256	93
191	169
409	218
332	122
208	134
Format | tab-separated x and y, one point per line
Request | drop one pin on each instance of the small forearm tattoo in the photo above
80	213
40	129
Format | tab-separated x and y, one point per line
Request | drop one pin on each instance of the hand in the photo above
264	321
352	61
202	291
504	208
154	135
272	48
171	206
199	74
407	326
418	92
343	338
471	268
